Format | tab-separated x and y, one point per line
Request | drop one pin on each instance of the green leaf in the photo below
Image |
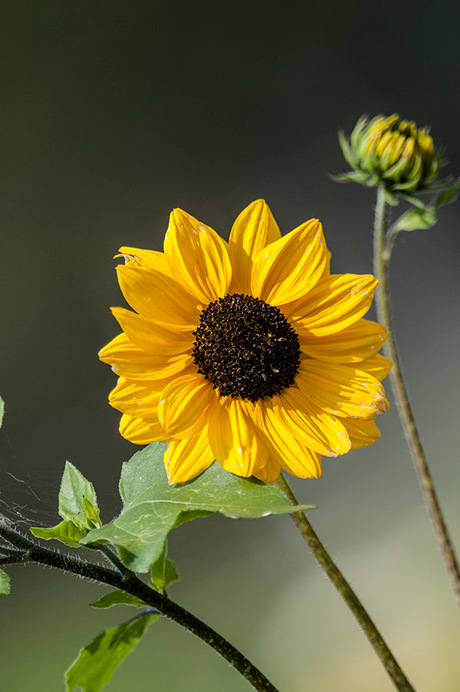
4	583
77	506
91	512
163	572
77	498
416	220
448	195
98	661
117	597
152	507
66	532
2	410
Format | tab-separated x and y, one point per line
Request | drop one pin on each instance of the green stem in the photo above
382	255
129	582
110	555
14	557
5	552
343	587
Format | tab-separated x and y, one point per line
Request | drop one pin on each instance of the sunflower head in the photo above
391	152
249	352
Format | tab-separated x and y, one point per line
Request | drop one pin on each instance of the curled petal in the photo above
362	433
378	366
135	257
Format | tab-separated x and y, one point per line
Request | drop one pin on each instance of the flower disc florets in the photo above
246	348
392	152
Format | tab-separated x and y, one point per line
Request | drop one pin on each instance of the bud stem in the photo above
382	254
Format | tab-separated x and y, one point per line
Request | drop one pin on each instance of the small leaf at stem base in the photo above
117	597
163	572
98	660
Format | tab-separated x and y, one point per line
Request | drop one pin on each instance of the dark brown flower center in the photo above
246	347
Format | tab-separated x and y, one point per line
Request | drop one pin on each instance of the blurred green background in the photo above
112	114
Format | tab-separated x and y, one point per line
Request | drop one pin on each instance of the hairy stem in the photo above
382	254
343	587
129	582
14	557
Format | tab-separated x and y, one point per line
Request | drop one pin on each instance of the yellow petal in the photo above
350	345
342	390
150	336
288	268
132	362
197	257
378	366
158	297
138	431
186	459
314	428
362	433
145	258
234	439
254	228
327	266
138	399
289	453
268	471
335	303
185	405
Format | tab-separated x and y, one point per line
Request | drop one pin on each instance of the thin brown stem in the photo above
382	255
349	596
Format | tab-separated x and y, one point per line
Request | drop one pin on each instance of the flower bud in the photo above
391	152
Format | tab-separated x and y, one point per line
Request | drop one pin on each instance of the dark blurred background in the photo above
112	114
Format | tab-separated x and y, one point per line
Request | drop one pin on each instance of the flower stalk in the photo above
383	243
126	580
349	596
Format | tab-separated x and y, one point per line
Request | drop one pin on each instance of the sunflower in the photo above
249	352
